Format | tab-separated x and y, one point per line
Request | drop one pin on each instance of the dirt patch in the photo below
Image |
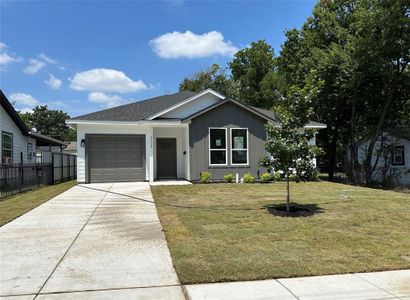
296	210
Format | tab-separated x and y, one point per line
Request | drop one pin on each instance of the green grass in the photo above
15	206
230	235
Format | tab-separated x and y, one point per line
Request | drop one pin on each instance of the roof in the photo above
151	109
13	114
45	140
8	107
72	146
137	111
401	132
247	107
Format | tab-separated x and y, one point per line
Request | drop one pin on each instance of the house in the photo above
172	136
18	143
391	157
71	148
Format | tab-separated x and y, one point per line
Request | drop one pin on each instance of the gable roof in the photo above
137	111
13	114
246	107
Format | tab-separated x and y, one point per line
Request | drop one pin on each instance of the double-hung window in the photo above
217	147
6	148
239	146
398	156
30	150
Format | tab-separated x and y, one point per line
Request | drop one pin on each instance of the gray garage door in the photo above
116	158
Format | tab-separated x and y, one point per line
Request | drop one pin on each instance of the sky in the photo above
84	56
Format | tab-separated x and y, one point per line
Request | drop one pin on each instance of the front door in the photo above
166	158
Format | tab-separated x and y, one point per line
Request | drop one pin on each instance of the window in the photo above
239	146
217	146
7	148
30	150
398	156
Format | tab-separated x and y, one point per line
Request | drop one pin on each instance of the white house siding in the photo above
180	134
20	141
192	107
83	129
401	174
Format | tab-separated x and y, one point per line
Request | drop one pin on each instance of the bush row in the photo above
248	178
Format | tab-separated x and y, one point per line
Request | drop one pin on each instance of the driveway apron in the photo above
93	240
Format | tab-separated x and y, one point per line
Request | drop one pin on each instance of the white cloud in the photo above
190	45
58	103
105	80
47	59
104	99
23	100
36	64
53	82
7	58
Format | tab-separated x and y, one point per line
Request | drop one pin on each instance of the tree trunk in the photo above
332	159
288	194
367	164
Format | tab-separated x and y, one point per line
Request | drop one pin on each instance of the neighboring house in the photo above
18	144
71	148
172	136
392	157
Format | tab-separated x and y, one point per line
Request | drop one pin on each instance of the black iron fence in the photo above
49	168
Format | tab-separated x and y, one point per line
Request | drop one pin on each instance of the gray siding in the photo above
228	115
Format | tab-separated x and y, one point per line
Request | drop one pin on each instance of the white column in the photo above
187	159
150	153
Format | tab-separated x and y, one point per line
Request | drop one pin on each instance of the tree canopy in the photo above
49	122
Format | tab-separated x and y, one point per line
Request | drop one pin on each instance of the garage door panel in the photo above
116	158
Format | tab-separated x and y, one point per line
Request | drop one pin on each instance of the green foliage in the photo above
205	177
265	177
350	60
253	69
214	78
49	122
276	176
248	178
228	177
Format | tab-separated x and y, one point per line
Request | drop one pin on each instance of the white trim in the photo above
234	149
207	91
226	146
153	123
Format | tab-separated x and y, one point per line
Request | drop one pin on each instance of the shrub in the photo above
205	177
265	177
276	176
248	178
228	177
293	177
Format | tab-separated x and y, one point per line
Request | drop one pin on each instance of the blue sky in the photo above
83	56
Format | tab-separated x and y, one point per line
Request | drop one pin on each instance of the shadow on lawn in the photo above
296	210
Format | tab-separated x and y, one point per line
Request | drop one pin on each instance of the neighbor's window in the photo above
30	150
7	148
217	146
239	146
398	156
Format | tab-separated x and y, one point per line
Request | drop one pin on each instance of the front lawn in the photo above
14	206
224	232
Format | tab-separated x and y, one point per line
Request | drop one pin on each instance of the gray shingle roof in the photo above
137	111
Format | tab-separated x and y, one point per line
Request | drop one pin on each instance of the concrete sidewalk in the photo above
358	286
93	241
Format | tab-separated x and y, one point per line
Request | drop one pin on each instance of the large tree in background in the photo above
214	78
49	122
253	70
357	52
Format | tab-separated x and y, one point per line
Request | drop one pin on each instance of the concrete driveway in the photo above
92	241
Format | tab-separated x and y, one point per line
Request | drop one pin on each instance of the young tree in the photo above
290	151
214	78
